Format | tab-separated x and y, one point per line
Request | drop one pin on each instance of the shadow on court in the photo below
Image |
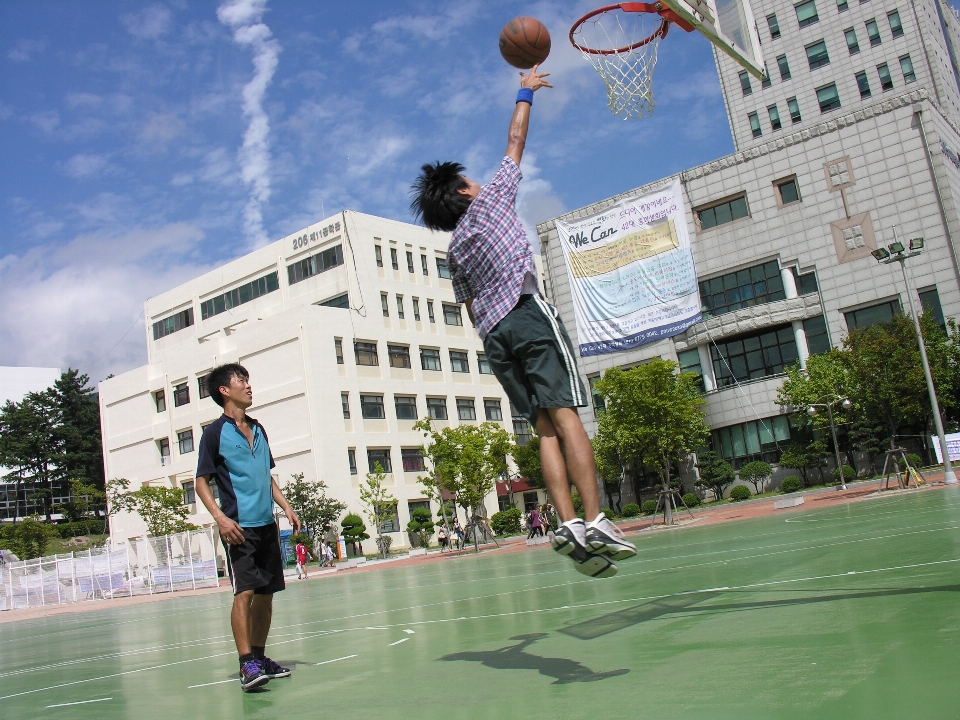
515	657
687	604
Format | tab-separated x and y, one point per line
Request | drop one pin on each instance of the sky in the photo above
145	143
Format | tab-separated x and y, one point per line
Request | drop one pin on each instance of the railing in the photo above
165	460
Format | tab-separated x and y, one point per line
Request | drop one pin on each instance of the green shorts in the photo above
531	354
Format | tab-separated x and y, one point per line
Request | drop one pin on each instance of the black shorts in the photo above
257	563
531	354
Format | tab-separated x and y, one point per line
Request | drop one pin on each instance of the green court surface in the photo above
845	612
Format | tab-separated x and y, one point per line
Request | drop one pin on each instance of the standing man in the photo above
302	556
235	454
527	346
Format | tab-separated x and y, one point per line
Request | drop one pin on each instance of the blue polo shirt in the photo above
242	474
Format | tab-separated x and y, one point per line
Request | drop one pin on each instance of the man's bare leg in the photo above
261	615
566	456
240	621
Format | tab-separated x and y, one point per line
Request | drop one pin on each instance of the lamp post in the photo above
846	405
897	253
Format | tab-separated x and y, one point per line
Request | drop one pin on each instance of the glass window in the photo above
930	302
807	13
416	309
243	294
393	259
379	253
172	324
399	356
338	349
723	213
459	362
886	82
815	329
429	359
451	315
442	269
752	286
745	86
773	26
741	443
789	192
430	311
598	402
765	83
384	307
873	315
164	445
690	362
842	5
189	493
754	355
852	45
491	409
160	400
181	394
466	409
314	265
906	67
371	407
522	430
863	84
828	98
412	459
406	407
784	67
794	107
202	387
185	441
774	117
379	456
366	353
400	314
873	32
410	262
339	301
817	54
423	265
806	283
896	27
483	365
755	125
437	408
352	460
345	405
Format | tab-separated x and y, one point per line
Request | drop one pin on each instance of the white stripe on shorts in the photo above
567	360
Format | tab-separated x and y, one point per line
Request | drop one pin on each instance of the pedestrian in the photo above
458	534
235	453
442	538
535	526
326	554
302	557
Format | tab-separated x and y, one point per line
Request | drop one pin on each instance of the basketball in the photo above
524	42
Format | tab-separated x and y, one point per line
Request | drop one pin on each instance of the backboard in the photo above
729	25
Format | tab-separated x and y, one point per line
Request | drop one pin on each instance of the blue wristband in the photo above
525	95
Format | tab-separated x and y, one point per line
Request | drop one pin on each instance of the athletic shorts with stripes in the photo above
531	354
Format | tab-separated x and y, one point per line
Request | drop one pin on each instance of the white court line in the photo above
81	702
402	640
327	662
218	682
408	631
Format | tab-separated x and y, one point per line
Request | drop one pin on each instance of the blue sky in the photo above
145	143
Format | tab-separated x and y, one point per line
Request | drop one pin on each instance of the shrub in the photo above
790	484
756	473
75	529
27	539
848	474
506	522
607	513
631	510
740	492
649	507
691	500
577	503
915	462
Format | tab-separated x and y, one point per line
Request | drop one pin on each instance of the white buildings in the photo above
349	331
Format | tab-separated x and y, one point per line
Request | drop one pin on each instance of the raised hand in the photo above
534	80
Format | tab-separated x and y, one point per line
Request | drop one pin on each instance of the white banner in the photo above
953	447
631	272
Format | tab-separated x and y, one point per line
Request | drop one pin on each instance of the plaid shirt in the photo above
489	253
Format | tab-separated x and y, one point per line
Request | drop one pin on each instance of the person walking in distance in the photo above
526	344
234	453
535	526
302	557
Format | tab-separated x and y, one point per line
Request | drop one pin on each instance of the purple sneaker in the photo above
252	675
273	670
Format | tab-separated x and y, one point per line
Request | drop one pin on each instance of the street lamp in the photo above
899	254
846	405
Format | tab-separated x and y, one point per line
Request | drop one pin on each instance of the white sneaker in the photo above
605	538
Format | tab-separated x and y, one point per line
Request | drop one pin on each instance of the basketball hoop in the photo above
621	42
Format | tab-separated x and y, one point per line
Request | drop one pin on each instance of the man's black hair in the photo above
221	377
435	197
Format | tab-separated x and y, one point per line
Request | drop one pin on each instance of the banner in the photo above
953	447
631	272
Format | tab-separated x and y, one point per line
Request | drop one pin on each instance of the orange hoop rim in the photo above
667	16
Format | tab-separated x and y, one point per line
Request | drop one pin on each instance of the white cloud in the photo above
160	128
148	24
24	50
84	165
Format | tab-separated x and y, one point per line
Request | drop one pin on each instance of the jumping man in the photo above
526	344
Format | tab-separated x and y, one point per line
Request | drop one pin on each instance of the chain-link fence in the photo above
182	561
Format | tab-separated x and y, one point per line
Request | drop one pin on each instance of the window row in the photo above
883	74
405	406
184	446
240	295
181	394
411	460
442	270
315	264
172	324
398	356
807	15
758	439
451	313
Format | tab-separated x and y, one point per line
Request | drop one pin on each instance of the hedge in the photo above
740	492
791	484
691	500
75	529
649	507
630	510
506	522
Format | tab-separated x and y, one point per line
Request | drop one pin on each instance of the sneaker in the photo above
252	675
273	670
568	536
605	538
569	541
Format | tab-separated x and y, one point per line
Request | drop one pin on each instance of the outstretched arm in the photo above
517	136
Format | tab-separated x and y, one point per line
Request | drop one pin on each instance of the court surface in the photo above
846	612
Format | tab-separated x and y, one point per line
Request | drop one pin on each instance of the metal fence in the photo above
183	561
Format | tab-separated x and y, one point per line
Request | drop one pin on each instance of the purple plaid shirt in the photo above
489	253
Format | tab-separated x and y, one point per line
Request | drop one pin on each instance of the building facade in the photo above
782	230
350	332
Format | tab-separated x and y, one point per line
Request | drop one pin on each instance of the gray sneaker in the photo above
568	536
605	538
569	541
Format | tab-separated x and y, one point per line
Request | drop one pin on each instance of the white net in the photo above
622	47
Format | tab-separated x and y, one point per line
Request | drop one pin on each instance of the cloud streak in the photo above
244	16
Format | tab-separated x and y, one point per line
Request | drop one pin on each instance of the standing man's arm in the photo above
517	135
230	530
285	506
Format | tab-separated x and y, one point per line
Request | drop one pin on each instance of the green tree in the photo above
161	508
78	428
84	501
527	459
612	466
318	513
421	526
654	414
716	474
354	531
804	458
756	473
27	539
379	505
30	446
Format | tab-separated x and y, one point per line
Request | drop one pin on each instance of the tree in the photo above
30	445
803	458
317	512
78	428
27	539
716	474
654	413
354	531
527	459
611	465
84	501
756	473
379	505
161	508
421	526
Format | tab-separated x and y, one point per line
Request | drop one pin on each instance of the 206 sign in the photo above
302	240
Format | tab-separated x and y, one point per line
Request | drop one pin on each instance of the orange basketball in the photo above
524	42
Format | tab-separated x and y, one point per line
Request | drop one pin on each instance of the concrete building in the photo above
350	333
782	230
